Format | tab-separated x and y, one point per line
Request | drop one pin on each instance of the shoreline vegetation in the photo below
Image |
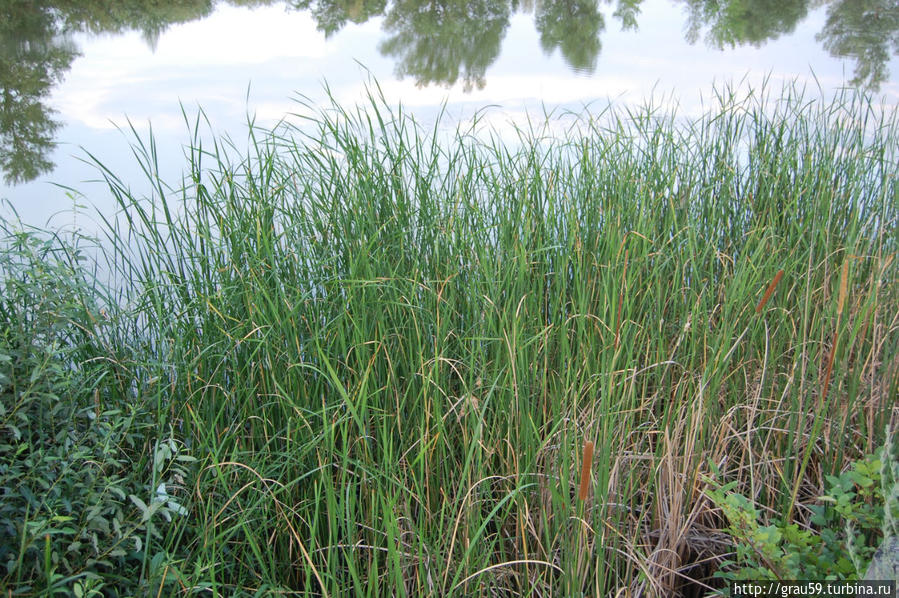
363	361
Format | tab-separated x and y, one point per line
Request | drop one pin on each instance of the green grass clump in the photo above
386	352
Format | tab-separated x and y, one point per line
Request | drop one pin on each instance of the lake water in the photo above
74	73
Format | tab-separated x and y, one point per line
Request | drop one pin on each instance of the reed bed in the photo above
413	365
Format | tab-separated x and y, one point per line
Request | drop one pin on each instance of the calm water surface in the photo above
73	74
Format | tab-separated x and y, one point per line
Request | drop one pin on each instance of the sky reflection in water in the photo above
70	76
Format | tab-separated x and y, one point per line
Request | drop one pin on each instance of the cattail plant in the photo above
769	291
586	468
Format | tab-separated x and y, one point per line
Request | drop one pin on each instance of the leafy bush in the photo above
859	509
75	480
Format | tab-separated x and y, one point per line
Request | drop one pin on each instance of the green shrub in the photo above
859	509
74	479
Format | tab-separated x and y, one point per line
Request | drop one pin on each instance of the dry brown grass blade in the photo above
844	280
585	470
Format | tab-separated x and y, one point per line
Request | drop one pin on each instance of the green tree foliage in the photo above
573	26
114	16
332	15
34	55
866	31
627	11
442	42
36	51
739	22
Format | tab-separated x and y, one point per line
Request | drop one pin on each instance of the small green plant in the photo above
859	509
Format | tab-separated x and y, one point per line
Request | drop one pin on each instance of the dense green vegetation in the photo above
365	358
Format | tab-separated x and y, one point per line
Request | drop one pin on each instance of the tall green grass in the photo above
387	349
